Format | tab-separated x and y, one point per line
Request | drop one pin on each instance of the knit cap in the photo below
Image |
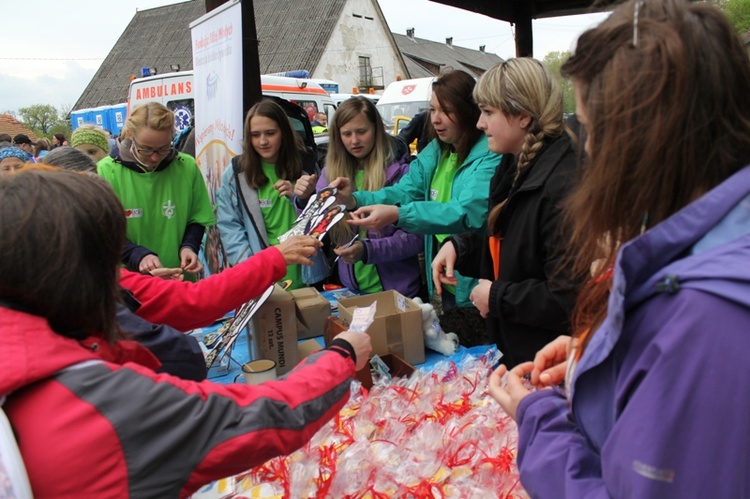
13	152
89	136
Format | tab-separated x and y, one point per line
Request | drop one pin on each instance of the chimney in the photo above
449	41
482	47
410	33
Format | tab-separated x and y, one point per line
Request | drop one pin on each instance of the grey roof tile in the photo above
292	34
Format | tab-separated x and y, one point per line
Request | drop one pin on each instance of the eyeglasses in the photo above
147	151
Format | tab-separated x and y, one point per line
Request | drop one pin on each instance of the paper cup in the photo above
258	371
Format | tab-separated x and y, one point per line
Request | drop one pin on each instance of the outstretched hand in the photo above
374	217
361	343
299	249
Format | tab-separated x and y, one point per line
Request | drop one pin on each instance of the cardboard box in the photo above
397	366
312	312
308	347
333	326
275	324
397	327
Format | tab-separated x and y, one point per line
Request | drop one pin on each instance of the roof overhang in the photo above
517	11
521	12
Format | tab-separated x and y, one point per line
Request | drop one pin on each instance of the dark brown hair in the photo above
291	153
668	118
453	91
63	233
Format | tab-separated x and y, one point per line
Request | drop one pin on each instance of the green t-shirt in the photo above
159	205
440	190
366	274
278	217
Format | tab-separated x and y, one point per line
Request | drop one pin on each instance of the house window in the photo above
365	72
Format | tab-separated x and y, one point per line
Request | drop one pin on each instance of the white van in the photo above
404	98
175	90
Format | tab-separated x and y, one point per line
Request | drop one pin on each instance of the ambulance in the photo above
175	91
403	99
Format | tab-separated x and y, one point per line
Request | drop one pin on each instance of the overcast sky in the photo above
51	49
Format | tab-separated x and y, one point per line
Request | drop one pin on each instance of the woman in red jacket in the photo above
91	417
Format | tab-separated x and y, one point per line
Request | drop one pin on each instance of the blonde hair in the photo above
149	115
339	163
524	85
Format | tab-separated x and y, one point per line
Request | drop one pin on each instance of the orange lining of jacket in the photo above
494	243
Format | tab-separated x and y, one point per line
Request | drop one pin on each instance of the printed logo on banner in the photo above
212	85
134	213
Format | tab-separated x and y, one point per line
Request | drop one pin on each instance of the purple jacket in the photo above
393	251
661	396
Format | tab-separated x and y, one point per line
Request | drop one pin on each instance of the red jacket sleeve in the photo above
186	305
283	415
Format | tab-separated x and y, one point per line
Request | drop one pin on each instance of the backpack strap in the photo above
236	169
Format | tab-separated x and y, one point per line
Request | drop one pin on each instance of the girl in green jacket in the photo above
445	192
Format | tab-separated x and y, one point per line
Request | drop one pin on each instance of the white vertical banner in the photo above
217	89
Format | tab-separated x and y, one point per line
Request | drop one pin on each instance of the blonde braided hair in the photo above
523	86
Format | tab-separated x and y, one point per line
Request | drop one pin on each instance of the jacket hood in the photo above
662	260
666	258
33	352
397	169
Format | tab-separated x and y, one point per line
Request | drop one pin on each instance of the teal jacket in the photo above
466	211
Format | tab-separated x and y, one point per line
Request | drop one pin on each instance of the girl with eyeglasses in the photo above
163	192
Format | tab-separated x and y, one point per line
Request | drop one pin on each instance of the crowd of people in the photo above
607	265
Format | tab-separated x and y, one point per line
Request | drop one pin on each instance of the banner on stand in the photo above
217	87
